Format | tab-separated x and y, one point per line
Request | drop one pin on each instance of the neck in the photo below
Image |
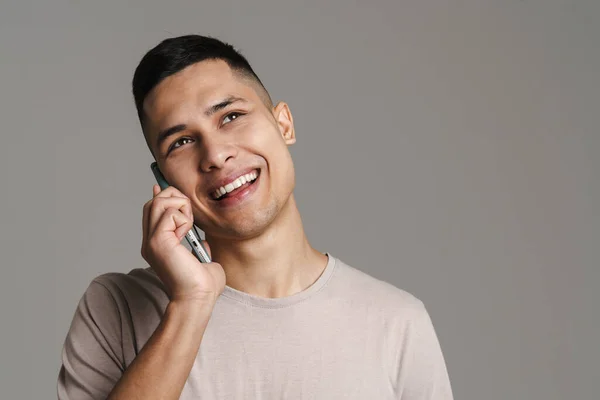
277	263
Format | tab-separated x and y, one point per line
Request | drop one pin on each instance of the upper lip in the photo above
229	178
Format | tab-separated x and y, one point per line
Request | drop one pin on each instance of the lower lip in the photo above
240	196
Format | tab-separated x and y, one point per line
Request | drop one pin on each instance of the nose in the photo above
216	154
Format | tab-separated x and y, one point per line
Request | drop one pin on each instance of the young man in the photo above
291	322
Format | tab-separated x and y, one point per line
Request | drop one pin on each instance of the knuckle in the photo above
174	190
169	212
168	191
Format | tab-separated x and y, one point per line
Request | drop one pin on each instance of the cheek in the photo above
187	177
265	140
263	135
281	167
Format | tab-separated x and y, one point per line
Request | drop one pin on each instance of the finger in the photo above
184	228
146	215
187	209
175	221
155	191
173	192
161	204
170	191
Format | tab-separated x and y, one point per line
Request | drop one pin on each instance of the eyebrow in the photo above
210	111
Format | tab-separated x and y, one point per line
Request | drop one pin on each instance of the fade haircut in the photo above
174	54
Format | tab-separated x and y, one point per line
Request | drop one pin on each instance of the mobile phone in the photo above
191	237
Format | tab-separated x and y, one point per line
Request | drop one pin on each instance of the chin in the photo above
249	225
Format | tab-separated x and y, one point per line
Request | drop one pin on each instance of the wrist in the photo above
191	306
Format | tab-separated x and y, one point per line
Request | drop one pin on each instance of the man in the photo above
291	322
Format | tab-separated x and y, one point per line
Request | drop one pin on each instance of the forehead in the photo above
181	94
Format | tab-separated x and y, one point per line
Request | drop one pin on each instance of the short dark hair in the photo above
174	54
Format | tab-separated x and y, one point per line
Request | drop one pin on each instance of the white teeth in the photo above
235	184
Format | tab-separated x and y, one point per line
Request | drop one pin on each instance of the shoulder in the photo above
136	291
365	291
125	306
138	281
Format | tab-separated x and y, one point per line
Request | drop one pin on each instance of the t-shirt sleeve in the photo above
422	373
92	358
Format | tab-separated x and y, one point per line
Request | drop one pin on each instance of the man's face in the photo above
222	129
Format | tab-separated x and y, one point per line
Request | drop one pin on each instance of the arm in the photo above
93	363
160	370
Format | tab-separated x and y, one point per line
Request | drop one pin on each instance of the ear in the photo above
285	122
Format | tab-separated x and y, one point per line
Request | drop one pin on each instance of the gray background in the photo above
450	148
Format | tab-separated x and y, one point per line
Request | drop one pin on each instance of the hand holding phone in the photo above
167	218
192	238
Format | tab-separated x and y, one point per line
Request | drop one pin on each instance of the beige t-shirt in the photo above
347	336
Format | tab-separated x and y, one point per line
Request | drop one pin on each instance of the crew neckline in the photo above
280	302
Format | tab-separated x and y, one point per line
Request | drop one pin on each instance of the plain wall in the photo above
450	148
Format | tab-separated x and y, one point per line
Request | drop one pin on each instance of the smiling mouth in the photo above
236	186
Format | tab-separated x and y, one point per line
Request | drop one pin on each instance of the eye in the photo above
231	116
178	143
